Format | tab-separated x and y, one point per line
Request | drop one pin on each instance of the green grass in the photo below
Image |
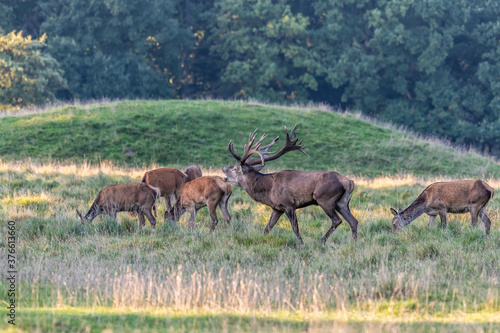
101	319
419	278
108	275
180	133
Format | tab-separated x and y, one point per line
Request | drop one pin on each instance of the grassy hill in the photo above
109	276
180	133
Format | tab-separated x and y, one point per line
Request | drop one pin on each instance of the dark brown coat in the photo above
289	190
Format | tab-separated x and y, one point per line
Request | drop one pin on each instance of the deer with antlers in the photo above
288	190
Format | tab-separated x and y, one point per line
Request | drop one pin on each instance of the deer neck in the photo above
413	211
258	186
93	212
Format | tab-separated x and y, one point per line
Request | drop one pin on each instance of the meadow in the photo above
111	276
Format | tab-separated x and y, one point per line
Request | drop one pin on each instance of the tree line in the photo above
430	65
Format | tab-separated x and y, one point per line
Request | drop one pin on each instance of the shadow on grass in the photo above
69	320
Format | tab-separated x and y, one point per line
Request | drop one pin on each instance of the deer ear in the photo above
259	167
393	211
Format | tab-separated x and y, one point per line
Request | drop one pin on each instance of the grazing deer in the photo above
129	197
457	197
288	190
192	172
204	191
170	182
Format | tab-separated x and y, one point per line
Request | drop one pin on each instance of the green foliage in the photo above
28	76
197	132
416	63
430	65
116	49
259	41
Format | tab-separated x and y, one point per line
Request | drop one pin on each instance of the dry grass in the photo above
419	274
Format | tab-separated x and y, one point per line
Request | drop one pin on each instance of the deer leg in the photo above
486	220
154	210
151	218
168	208
474	214
275	216
213	214
142	221
112	213
432	220
353	223
191	223
336	221
292	216
442	216
223	208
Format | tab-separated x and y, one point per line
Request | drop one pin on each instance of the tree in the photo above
116	48
28	76
429	65
21	15
260	42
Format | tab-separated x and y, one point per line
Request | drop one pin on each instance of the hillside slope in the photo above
179	133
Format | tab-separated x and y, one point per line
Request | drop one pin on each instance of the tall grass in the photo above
418	274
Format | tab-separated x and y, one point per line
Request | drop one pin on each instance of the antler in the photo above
263	152
290	145
251	148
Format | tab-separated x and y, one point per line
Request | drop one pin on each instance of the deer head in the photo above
177	211
235	174
82	219
397	221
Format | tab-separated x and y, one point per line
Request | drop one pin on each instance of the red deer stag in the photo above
129	197
288	190
457	197
204	191
192	173
170	182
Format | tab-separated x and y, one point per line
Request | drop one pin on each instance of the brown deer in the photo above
457	197
170	181
204	191
129	197
192	172
289	190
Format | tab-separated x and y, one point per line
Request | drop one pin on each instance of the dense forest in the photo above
430	65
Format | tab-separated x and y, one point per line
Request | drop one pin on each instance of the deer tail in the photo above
348	191
156	192
351	186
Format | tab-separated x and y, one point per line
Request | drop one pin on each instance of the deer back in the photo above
168	180
127	195
458	194
199	190
291	188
